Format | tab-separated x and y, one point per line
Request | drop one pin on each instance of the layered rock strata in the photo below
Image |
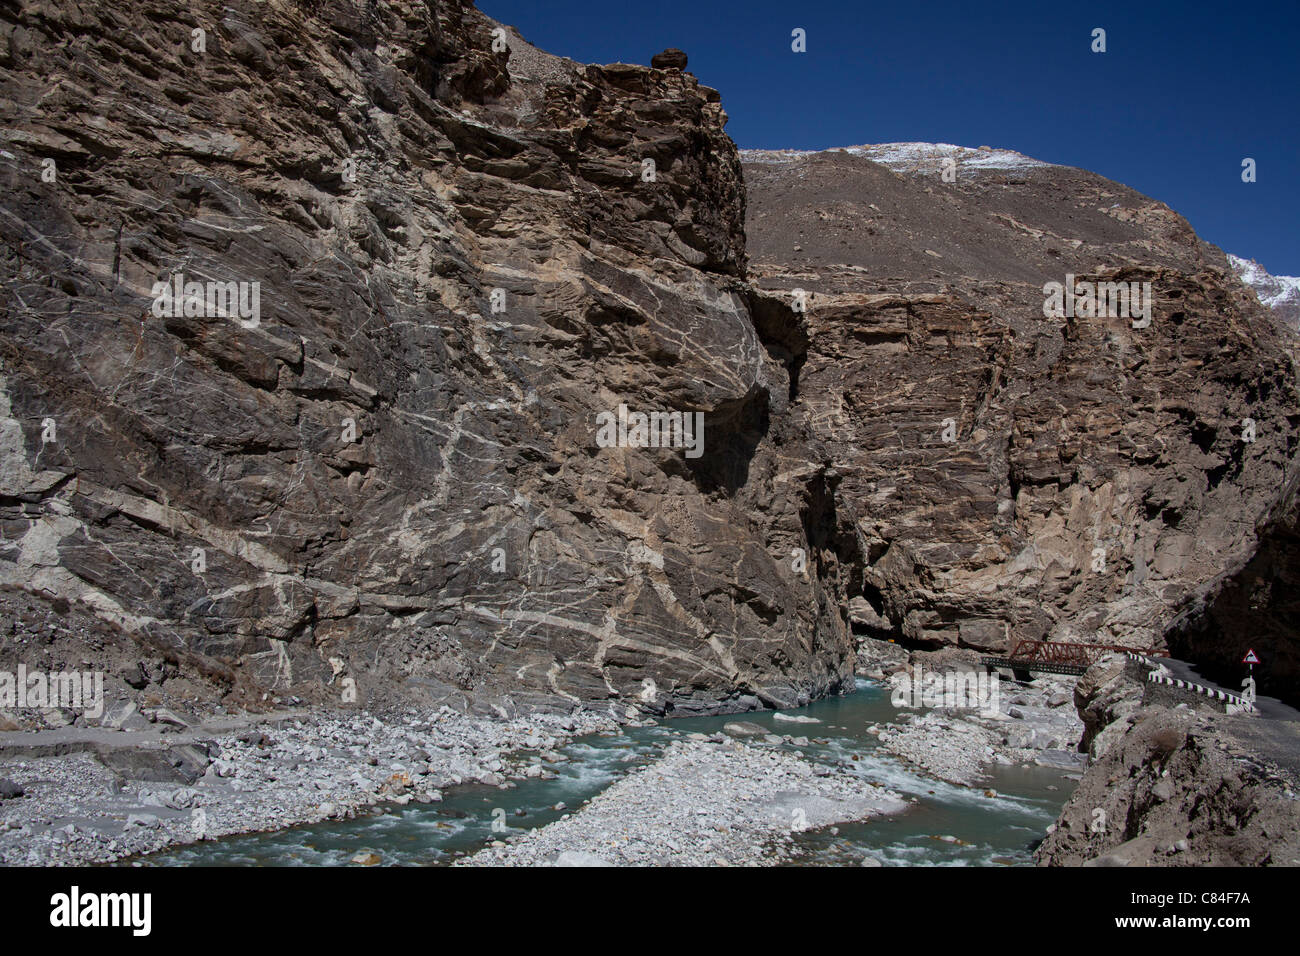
370	467
1016	475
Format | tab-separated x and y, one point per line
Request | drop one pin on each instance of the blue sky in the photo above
1182	94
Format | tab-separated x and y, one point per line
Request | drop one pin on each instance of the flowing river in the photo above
947	826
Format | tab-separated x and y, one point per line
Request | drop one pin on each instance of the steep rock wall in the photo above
1011	475
393	488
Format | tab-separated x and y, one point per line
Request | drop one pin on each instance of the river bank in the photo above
1032	724
415	787
99	797
719	799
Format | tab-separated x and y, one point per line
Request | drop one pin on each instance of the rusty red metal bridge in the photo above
1058	657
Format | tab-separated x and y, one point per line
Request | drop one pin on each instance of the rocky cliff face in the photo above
1015	476
385	479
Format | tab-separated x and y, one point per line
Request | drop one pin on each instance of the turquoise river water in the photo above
1001	829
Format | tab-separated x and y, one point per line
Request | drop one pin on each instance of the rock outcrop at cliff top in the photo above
1096	485
670	59
388	480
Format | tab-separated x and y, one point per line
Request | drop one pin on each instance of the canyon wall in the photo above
387	482
1014	475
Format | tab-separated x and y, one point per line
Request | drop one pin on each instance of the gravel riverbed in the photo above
75	795
1033	724
707	801
88	797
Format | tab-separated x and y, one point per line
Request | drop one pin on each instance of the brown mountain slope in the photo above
1098	483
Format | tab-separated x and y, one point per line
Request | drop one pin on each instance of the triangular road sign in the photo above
1250	658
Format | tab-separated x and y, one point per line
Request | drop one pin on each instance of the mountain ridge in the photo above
1281	294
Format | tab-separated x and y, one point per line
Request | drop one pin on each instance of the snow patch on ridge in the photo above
909	157
1279	293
